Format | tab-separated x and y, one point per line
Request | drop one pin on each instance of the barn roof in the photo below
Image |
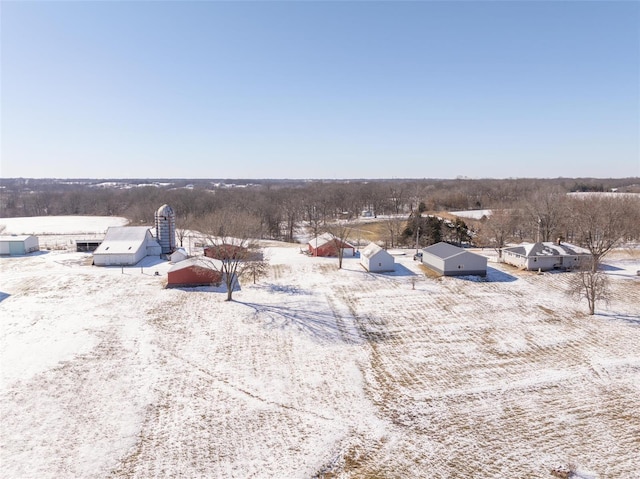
124	239
197	262
15	237
325	238
546	248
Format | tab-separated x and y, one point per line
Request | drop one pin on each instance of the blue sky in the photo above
302	89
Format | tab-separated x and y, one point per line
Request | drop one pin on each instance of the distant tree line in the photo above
522	209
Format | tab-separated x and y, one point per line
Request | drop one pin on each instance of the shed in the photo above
178	255
449	260
376	260
125	246
16	245
545	256
327	245
200	271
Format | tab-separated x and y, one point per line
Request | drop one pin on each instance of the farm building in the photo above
327	245
225	251
178	255
87	246
125	246
376	260
195	272
545	256
450	260
165	221
16	245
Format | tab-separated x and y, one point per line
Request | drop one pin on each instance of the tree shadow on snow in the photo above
632	319
320	325
282	288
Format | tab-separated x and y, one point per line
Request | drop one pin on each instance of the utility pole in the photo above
417	239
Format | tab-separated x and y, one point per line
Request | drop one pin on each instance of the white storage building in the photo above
376	260
16	245
125	246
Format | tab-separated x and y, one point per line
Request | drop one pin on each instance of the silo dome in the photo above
166	228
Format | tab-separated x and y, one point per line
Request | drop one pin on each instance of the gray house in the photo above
376	260
449	260
545	256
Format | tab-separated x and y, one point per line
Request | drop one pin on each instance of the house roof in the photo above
198	262
546	249
125	239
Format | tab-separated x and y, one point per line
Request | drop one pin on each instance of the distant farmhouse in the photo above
545	256
449	260
127	245
16	245
376	260
328	245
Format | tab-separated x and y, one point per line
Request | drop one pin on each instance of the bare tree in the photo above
600	223
231	239
340	233
497	229
546	211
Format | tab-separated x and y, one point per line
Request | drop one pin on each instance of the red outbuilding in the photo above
195	272
328	245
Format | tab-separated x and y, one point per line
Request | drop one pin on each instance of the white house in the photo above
545	256
449	260
15	245
376	260
125	246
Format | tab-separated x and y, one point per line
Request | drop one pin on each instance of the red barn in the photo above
195	272
225	251
327	245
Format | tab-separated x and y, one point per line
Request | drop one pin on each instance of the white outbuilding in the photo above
449	260
376	260
125	246
16	245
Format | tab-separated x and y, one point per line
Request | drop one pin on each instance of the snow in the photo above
105	373
472	214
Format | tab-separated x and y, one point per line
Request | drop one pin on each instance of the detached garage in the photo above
200	271
376	260
16	245
449	260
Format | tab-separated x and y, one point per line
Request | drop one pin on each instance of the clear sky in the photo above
320	89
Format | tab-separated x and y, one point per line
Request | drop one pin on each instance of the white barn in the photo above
449	260
376	260
126	246
545	256
15	245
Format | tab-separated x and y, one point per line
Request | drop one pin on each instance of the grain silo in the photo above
166	228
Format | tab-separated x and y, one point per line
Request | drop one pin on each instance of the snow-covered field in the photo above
314	371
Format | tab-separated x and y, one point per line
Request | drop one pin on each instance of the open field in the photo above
314	372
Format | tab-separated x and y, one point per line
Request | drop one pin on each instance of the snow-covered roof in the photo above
125	239
371	250
547	248
200	261
325	238
15	237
